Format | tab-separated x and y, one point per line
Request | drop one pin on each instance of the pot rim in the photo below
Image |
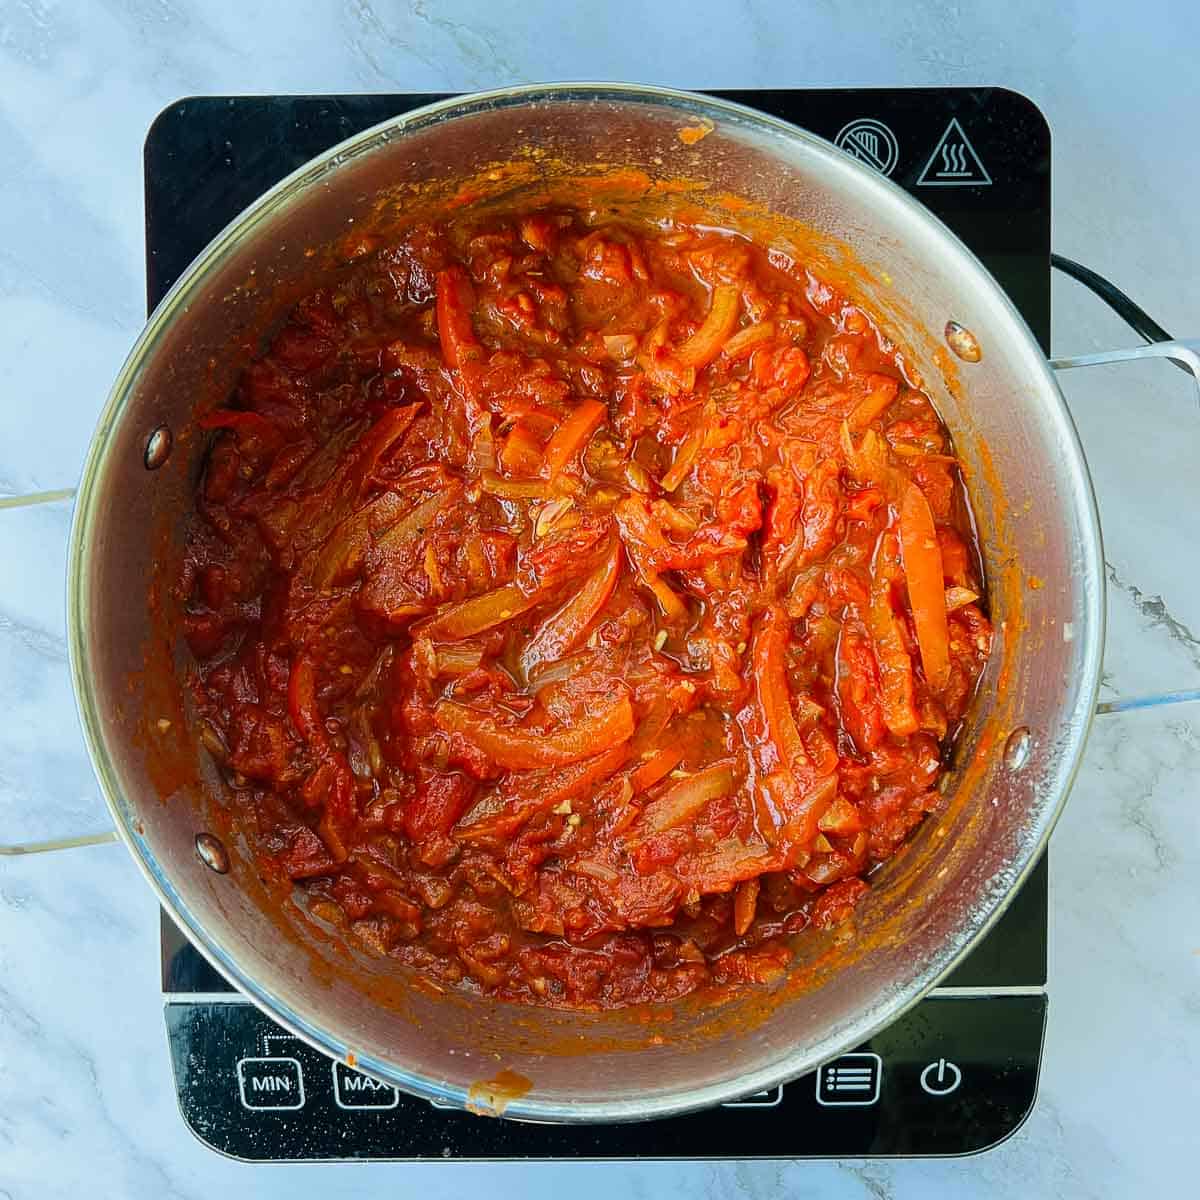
873	188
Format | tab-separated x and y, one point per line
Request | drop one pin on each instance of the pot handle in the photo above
64	843
32	498
1183	352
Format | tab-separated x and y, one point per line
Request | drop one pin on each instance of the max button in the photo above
353	1089
941	1078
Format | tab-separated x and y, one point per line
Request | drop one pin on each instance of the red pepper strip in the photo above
439	802
705	344
573	435
461	348
656	768
895	665
770	645
339	806
644	540
857	689
669	600
563	630
473	616
522	749
749	339
782	521
521	453
745	901
519	798
707	544
302	703
455	300
331	782
792	794
926	585
513	489
877	401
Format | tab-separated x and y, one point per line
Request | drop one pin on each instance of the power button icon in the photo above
941	1078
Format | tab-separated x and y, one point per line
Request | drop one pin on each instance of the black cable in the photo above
1131	313
1136	317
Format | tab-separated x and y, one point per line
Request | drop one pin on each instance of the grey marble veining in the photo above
86	1102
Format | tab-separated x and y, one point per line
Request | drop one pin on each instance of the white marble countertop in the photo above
86	1099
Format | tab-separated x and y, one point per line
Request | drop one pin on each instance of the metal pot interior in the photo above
1027	481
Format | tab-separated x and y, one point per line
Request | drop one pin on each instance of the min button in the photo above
270	1083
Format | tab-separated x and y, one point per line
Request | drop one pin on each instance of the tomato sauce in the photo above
580	608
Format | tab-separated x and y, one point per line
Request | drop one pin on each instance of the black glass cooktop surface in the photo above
955	1075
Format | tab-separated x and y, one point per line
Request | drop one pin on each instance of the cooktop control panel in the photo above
935	1082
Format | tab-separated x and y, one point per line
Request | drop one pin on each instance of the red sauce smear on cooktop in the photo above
580	608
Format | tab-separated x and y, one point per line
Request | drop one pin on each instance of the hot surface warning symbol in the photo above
954	162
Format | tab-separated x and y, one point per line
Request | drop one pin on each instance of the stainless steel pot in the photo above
1023	742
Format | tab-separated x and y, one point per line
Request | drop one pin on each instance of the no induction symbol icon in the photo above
941	1078
870	141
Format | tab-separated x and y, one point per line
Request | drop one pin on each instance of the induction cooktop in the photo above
956	1074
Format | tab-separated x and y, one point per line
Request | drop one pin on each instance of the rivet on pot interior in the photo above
158	448
212	853
1018	747
963	342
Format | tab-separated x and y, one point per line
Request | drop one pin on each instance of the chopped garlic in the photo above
550	514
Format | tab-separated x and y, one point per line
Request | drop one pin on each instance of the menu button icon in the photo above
850	1081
